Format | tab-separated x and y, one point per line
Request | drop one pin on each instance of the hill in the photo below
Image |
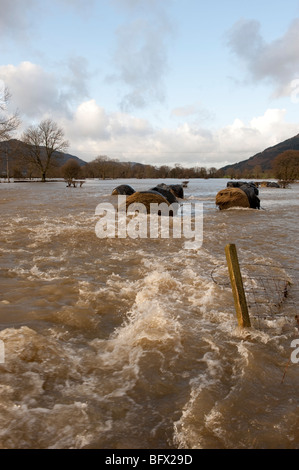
14	149
264	159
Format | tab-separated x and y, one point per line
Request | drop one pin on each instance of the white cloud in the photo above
141	54
74	79
33	89
37	92
90	121
15	18
240	141
94	131
276	61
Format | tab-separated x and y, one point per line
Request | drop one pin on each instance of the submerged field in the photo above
130	343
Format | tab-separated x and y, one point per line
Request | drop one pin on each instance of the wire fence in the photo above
272	292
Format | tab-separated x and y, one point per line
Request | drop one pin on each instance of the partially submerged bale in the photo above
148	198
241	184
251	193
176	189
167	193
124	190
235	184
232	197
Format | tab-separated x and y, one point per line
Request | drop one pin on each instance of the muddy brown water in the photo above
130	343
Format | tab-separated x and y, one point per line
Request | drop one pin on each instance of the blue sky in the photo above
156	81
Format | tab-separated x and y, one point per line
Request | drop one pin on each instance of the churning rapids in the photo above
130	343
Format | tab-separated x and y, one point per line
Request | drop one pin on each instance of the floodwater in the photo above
134	343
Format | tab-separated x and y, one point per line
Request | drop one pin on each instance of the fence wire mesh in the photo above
272	292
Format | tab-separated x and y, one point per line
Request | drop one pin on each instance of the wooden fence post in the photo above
237	286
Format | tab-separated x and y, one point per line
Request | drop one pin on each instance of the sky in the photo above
163	82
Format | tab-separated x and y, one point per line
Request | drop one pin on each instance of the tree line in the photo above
43	145
38	155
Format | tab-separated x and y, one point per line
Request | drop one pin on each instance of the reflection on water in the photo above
122	343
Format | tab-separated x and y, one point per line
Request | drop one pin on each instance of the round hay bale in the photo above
167	193
148	198
176	189
124	190
251	193
231	197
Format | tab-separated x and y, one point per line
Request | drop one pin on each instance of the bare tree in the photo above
71	170
43	141
286	166
163	171
100	164
8	123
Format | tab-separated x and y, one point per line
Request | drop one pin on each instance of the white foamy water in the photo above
134	343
